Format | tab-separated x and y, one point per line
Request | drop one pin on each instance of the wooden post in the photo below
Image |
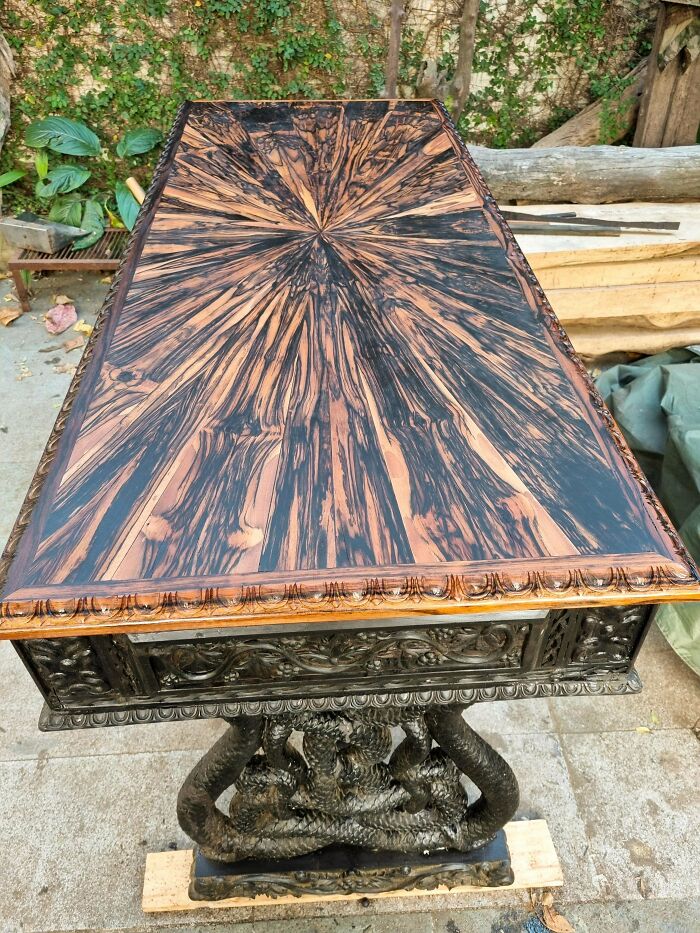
669	113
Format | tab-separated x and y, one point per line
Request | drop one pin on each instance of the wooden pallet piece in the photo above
533	857
105	256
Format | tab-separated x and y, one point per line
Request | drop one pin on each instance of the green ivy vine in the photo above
117	66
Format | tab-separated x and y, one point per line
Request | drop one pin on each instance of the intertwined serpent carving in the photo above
342	783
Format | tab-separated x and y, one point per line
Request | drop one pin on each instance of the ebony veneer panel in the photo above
327	366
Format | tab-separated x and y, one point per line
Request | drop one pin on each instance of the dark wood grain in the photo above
328	375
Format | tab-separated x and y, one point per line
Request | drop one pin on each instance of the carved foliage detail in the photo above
403	877
69	667
599	637
361	653
608	636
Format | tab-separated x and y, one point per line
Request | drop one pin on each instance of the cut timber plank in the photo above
637	292
545	252
534	860
636	272
573	304
554	258
595	341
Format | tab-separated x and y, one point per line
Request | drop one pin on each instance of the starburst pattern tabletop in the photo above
326	360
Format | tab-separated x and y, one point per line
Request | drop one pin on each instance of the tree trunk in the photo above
7	71
586	129
591	174
465	57
397	14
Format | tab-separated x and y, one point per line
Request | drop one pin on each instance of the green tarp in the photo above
656	403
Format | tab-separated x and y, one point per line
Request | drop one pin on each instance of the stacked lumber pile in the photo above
637	292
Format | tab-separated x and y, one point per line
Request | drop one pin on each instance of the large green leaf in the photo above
135	142
127	204
67	211
41	162
62	179
13	175
63	135
92	221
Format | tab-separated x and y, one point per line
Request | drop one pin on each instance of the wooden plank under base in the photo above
533	857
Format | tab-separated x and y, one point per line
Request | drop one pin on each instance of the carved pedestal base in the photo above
307	782
349	870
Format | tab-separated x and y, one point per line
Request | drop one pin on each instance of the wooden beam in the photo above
554	258
533	857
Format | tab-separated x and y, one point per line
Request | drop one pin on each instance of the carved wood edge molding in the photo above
54	720
498	591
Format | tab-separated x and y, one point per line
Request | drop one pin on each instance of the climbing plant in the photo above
114	66
129	63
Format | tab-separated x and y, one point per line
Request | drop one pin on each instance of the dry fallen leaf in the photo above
10	296
8	315
69	345
51	348
643	886
65	368
554	921
24	371
83	327
60	318
62	300
107	280
642	729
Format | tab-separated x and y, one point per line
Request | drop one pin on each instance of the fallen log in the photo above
590	174
588	127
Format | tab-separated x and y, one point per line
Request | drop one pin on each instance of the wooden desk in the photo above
330	465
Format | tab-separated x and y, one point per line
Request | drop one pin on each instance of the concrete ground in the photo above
616	777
